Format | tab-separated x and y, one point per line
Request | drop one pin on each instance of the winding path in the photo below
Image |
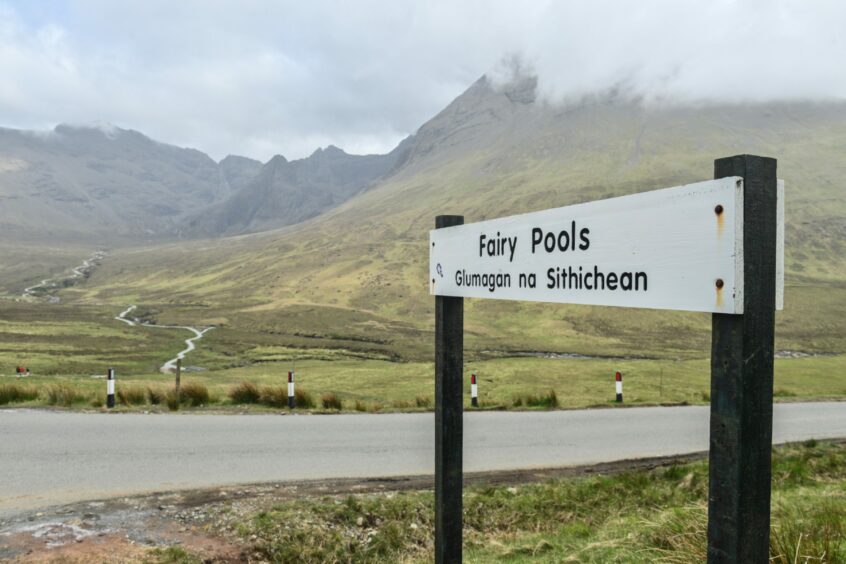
170	365
76	272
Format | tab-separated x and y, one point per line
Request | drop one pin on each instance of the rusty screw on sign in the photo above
718	210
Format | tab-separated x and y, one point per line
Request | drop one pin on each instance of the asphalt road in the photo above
48	458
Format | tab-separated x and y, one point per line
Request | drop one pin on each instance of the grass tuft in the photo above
331	401
423	401
274	396
194	394
303	399
131	395
245	392
61	395
173	400
15	393
549	400
156	396
277	396
809	533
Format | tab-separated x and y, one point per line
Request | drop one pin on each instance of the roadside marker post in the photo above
292	402
618	384
714	246
110	388
474	391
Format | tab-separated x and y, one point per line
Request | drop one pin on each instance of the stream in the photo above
55	282
170	365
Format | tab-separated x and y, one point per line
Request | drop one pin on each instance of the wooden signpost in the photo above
715	246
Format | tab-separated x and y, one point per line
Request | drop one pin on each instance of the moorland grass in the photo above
194	394
131	395
531	383
331	401
547	400
63	395
650	516
245	392
173	400
17	393
156	396
274	396
303	399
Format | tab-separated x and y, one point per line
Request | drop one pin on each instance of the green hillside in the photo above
351	284
356	276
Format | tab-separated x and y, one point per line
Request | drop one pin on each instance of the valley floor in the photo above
344	383
353	361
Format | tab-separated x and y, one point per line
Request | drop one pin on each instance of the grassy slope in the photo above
61	339
358	273
24	265
353	281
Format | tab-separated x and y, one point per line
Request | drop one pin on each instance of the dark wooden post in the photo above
742	381
449	396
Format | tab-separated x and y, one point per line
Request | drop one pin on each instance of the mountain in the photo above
285	192
356	275
115	186
239	171
90	183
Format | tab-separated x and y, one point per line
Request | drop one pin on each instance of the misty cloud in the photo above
259	77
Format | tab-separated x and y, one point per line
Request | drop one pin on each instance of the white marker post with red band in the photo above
291	400
110	388
474	391
619	384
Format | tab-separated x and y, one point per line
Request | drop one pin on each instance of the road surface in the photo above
47	458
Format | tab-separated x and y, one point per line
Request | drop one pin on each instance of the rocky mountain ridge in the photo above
117	186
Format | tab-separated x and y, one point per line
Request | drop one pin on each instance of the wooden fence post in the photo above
178	375
742	380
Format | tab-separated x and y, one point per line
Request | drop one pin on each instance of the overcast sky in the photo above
259	78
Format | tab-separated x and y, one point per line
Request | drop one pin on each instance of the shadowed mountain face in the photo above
114	186
83	183
239	171
283	193
498	151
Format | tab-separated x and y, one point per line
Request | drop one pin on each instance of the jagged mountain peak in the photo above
328	151
229	159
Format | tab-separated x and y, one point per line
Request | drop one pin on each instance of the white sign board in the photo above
678	248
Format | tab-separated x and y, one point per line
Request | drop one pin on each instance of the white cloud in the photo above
261	77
